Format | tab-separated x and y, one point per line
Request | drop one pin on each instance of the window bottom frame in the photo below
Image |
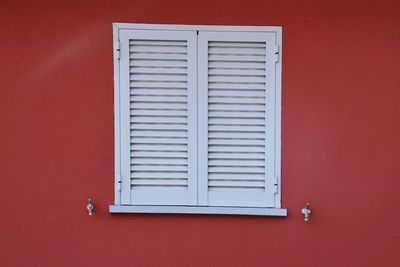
198	210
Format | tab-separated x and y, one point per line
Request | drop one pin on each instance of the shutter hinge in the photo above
275	185
276	53
118	50
118	183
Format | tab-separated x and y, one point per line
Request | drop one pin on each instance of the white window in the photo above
197	119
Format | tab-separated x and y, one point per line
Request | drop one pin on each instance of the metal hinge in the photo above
275	185
276	53
118	183
118	50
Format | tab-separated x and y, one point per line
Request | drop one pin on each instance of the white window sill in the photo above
198	210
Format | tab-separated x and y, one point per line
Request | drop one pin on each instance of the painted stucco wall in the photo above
340	149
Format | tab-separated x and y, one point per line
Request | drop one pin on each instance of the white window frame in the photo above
120	208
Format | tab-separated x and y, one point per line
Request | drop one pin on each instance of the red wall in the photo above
341	138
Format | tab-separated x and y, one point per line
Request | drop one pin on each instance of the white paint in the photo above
215	187
168	36
117	125
136	83
198	210
177	27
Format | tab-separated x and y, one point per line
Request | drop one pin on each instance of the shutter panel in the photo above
236	119
158	117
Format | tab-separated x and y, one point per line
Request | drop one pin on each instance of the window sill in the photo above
199	210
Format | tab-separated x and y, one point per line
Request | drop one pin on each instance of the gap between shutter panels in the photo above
236	116
158	109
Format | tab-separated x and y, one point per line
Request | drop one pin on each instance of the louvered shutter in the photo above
158	117
236	119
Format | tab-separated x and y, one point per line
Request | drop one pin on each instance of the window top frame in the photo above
181	27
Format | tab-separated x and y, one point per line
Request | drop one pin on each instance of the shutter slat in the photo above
157	49
158	78
236	50
246	135
236	148
260	58
177	99
230	114
151	119
158	42
236	93
221	155
159	113
236	121
153	70
236	169
236	100
159	147
166	56
244	192
225	162
235	107
241	72
148	126
159	182
235	183
158	168
238	129
160	155
158	175
158	63
236	44
156	161
236	65
236	79
158	140
159	133
238	86
159	106
157	85
236	176
250	142
159	92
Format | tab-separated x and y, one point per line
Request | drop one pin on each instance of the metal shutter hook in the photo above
90	207
306	211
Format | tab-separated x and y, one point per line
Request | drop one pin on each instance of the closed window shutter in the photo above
236	119
158	118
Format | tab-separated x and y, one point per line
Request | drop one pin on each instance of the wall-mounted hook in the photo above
90	207
306	211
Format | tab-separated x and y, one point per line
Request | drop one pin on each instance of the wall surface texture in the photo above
340	151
